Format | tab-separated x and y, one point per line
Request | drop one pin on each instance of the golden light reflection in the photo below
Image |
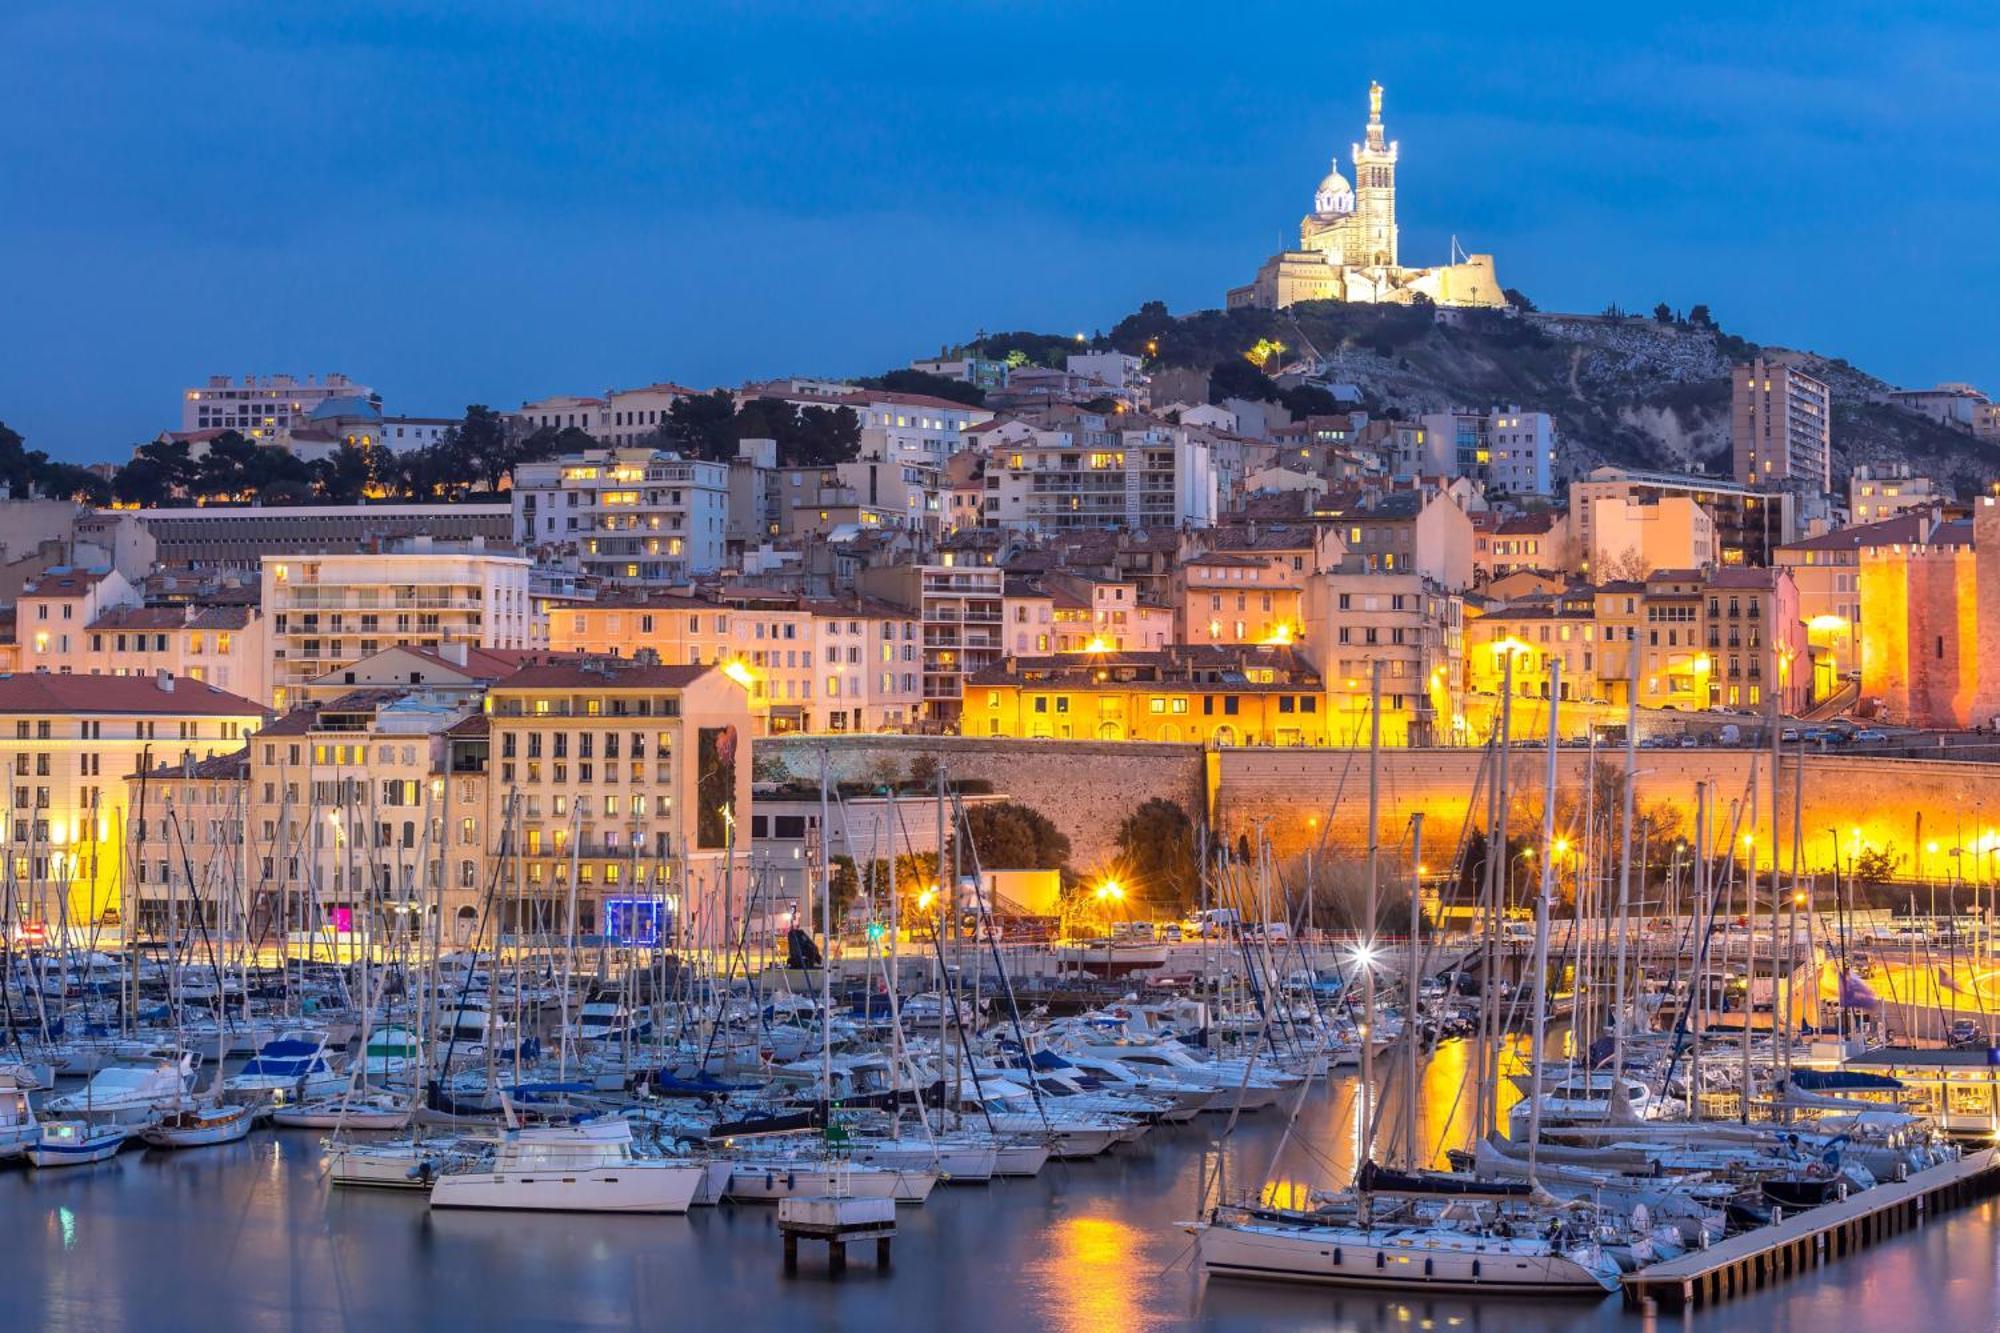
1093	1271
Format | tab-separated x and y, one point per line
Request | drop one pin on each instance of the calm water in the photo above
248	1237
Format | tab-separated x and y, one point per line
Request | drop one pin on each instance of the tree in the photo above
1308	400
1663	313
1011	836
1699	316
343	477
1156	848
1237	378
1519	300
922	381
67	481
702	425
483	446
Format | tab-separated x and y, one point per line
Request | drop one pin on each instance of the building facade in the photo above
628	515
1781	426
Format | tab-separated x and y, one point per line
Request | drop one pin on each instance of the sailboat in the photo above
200	1126
17	1119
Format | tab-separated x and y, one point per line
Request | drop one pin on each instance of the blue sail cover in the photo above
1843	1080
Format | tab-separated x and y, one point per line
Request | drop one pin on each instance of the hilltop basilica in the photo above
1347	244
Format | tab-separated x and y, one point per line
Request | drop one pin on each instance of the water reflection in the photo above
250	1237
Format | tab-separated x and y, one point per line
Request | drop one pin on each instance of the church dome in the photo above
1335	197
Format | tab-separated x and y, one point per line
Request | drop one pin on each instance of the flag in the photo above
1945	980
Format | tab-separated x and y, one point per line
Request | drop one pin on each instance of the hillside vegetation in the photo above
1642	391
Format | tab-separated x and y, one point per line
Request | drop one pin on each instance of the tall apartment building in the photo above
1750	521
328	611
1102	473
627	515
260	406
962	611
624	787
1781	426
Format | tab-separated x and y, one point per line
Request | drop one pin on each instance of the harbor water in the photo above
249	1236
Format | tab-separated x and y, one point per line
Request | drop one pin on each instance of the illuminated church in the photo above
1347	244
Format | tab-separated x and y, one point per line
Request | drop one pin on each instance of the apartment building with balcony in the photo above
623	787
962	609
1409	624
809	665
1100	471
329	611
625	515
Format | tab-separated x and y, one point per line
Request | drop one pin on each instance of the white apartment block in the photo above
329	611
1102	475
870	667
262	405
911	427
636	516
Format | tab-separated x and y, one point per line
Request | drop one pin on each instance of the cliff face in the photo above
1623	389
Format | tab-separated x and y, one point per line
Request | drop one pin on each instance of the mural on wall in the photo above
715	786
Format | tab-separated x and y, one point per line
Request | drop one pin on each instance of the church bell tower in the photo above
1375	191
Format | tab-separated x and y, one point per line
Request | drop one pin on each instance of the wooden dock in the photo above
1811	1237
837	1221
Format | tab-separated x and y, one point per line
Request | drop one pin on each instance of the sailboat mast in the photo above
1625	859
1543	906
1367	1094
1411	1027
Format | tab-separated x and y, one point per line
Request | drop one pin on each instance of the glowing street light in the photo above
1110	891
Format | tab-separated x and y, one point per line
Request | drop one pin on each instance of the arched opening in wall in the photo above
1108	731
1225	736
1170	732
463	925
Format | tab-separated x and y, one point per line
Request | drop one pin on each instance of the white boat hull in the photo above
98	1145
768	1182
629	1187
1342	1258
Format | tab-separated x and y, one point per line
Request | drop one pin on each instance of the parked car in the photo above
1966	1033
1788	734
1870	736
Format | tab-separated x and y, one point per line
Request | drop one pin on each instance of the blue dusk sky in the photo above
491	201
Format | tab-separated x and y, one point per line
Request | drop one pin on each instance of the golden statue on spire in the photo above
1374	101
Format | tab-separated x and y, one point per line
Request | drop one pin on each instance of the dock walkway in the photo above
1812	1236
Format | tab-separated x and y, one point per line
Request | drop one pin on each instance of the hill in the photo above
1633	390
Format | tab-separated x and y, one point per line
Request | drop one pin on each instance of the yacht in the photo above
768	1176
129	1094
605	1020
588	1167
408	1164
1595	1098
391	1050
362	1108
18	1129
291	1068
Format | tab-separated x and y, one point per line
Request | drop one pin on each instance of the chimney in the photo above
454	653
166	681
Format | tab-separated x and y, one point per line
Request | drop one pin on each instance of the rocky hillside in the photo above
1623	389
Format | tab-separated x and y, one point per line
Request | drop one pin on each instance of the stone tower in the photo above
1375	191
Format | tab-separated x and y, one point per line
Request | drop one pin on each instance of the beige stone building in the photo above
622	787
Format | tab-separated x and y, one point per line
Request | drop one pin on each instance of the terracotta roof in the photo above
65	583
862	396
140	617
473	725
1902	528
490	663
40	692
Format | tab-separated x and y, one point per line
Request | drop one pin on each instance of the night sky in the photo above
489	202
